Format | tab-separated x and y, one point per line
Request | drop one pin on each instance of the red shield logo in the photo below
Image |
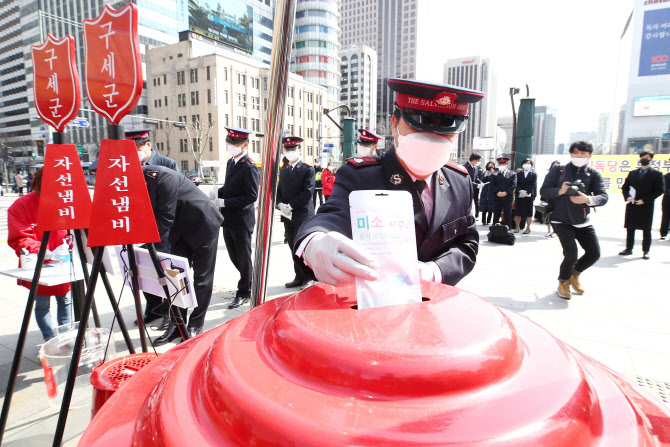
113	65
56	81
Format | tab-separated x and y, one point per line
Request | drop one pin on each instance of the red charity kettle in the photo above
310	370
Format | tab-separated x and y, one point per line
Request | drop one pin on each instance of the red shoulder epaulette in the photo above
251	161
364	161
456	167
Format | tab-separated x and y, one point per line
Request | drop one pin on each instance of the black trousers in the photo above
202	259
665	220
569	236
238	244
291	229
504	206
646	239
319	192
476	198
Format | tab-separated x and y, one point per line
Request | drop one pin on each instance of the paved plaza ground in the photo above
622	320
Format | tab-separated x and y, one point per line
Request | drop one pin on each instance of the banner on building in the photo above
230	22
655	48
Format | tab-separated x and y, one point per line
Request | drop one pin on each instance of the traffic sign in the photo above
329	145
81	122
80	149
325	151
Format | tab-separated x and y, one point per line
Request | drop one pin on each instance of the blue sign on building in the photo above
655	49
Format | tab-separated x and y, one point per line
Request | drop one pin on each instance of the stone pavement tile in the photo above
614	357
620	336
38	429
651	365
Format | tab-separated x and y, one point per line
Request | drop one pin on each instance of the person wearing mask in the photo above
665	207
640	190
23	234
572	189
18	179
294	197
318	186
546	215
503	184
328	180
236	199
367	143
475	172
188	224
426	122
526	190
485	199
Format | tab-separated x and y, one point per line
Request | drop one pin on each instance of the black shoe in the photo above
295	283
662	238
165	323
148	318
237	302
193	331
626	252
169	335
645	255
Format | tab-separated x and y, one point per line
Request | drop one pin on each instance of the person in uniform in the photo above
475	172
665	207
155	307
367	143
294	197
236	199
188	224
426	122
503	184
526	191
640	190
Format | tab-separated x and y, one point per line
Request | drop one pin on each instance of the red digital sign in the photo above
122	211
113	65
65	203
56	81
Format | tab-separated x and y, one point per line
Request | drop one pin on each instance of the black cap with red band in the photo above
137	134
237	135
434	108
291	142
367	138
502	160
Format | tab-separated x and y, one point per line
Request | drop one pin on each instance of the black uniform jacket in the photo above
528	184
156	159
240	192
475	172
451	240
296	187
182	211
647	189
503	182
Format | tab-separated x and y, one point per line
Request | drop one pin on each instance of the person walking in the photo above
665	207
294	198
475	172
572	190
503	184
18	179
526	191
236	199
640	190
328	180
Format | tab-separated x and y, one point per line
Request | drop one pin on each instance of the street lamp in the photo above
513	91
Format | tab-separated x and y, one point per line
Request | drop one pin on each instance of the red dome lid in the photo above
310	370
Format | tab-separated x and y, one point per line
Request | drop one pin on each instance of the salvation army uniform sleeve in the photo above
510	189
165	208
279	198
307	190
533	186
249	192
549	189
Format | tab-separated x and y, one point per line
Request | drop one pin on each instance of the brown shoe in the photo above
576	285
564	290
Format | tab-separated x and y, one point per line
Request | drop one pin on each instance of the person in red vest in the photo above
23	234
328	180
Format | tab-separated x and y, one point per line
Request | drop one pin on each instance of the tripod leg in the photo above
84	268
161	279
136	295
119	317
76	354
22	335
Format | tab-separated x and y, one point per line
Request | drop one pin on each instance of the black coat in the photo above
296	187
647	189
156	159
475	172
451	240
240	191
528	184
503	181
666	195
183	213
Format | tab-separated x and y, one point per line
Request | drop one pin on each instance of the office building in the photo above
474	73
359	84
507	125
390	27
212	87
544	139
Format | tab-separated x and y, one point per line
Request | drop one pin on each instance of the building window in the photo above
241	99
225	73
225	119
225	96
194	75
184	165
165	79
209	96
209	118
208	72
165	101
241	79
211	145
195	98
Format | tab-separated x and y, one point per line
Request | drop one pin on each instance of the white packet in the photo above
382	222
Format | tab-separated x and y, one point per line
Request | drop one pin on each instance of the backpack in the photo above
501	234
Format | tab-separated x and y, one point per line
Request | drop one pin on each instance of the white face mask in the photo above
233	150
141	155
292	156
330	168
579	162
362	151
424	153
502	168
526	167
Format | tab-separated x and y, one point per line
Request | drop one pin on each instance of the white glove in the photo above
213	193
336	259
523	193
220	203
480	185
426	271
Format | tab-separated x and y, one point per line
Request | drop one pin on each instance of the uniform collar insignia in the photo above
152	174
396	179
440	180
358	160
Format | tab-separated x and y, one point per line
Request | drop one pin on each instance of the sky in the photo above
566	51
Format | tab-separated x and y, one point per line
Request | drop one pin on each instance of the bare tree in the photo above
166	130
384	126
199	131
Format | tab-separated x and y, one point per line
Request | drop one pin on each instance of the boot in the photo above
564	290
576	285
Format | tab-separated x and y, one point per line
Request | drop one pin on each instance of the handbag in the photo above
501	234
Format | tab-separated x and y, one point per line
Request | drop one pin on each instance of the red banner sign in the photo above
113	64
56	81
122	211
65	203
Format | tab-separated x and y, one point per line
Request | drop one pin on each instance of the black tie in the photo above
420	185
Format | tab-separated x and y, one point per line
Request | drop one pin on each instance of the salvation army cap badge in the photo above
396	179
